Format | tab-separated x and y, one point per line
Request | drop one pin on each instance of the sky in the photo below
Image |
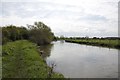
79	18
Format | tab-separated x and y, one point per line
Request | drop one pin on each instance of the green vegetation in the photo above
38	33
21	59
21	56
0	61
111	43
13	33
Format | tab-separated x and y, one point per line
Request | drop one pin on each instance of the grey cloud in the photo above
68	15
91	17
90	34
41	9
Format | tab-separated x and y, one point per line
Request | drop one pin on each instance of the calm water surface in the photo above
82	61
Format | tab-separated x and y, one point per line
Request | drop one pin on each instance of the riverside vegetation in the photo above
21	59
104	42
20	55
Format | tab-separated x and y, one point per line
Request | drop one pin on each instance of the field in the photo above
21	59
97	42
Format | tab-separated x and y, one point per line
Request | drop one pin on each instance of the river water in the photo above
82	61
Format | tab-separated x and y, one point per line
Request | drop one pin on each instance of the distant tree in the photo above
12	33
94	37
38	33
62	37
24	33
56	38
0	35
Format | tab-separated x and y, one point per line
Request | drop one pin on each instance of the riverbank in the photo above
97	42
0	61
21	59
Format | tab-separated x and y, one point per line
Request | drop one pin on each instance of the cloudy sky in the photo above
65	17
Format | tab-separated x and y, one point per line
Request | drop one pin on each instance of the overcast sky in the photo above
65	17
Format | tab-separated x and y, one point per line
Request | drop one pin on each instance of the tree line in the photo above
87	38
38	33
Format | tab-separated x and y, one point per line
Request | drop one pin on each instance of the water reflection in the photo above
81	61
46	50
62	41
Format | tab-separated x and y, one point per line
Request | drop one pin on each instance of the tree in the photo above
40	33
12	33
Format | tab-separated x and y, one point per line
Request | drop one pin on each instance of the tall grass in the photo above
21	59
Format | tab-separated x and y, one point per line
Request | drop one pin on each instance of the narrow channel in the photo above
83	61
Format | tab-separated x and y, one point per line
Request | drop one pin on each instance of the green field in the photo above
21	59
97	42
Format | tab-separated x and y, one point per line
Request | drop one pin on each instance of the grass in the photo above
97	42
0	61
21	59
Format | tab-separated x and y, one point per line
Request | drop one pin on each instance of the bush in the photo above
40	33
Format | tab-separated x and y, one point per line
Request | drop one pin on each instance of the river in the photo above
82	61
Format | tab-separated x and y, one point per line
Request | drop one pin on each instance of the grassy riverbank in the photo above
21	59
0	61
97	42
